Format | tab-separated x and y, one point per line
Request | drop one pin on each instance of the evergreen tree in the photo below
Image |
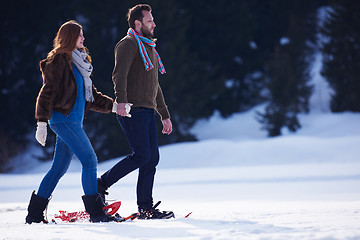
221	33
219	55
105	24
27	30
287	70
341	64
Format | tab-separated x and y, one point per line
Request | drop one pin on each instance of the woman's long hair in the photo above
65	41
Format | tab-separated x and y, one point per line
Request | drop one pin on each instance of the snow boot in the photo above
102	189
36	208
154	213
94	206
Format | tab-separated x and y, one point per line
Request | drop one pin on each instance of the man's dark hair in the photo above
135	13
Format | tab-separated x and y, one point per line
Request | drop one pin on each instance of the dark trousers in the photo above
141	133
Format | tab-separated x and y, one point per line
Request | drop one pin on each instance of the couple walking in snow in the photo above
68	93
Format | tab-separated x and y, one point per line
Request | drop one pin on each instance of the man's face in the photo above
147	25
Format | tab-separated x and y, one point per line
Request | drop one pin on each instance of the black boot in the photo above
154	213
102	188
94	206
36	209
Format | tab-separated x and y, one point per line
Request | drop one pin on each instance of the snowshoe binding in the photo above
154	213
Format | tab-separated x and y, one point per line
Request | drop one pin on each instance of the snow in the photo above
284	41
237	183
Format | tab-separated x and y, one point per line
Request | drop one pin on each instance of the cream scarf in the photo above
85	68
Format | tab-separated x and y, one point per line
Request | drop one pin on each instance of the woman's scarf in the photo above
140	40
85	68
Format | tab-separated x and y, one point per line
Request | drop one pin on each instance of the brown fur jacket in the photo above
58	91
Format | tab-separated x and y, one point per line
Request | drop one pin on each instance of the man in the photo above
135	78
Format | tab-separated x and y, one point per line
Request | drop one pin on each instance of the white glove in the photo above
41	133
128	108
114	107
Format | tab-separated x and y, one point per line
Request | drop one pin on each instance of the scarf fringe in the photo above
145	57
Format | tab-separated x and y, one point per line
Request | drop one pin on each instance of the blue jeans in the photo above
70	139
141	133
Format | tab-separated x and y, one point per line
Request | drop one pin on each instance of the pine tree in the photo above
221	33
287	70
104	25
27	31
341	66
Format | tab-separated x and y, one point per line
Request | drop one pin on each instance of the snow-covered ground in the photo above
238	184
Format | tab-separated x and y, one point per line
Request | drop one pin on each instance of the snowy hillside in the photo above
238	184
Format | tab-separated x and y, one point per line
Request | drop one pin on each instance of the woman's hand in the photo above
41	133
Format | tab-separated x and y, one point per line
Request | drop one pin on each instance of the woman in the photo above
65	97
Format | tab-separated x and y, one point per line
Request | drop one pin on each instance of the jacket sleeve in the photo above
52	73
102	102
161	107
125	52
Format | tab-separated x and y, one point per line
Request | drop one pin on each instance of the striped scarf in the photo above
145	57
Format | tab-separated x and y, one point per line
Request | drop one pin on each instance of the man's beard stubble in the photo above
146	33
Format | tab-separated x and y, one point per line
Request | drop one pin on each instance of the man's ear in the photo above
137	23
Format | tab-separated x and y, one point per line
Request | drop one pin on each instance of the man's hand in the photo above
167	126
123	109
41	133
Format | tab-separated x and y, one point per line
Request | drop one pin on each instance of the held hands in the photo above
41	133
122	109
